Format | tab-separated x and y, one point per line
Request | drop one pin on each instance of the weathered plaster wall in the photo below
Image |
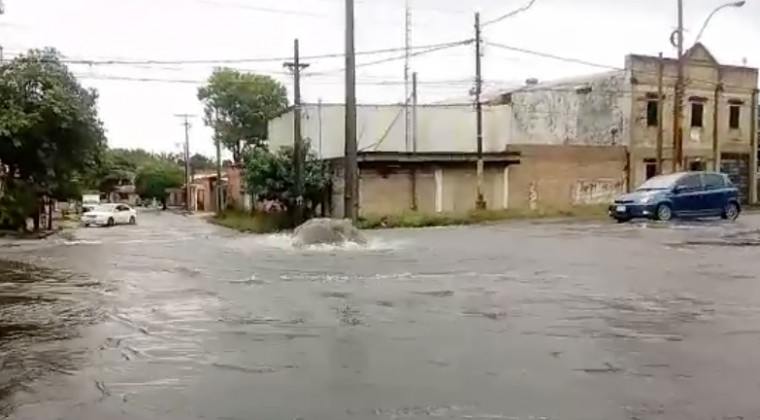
590	111
702	74
440	128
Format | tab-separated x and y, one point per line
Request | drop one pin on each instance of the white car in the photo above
110	215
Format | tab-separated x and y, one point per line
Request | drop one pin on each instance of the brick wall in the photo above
558	177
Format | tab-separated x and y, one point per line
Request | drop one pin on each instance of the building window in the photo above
650	168
697	165
697	114
734	112
652	113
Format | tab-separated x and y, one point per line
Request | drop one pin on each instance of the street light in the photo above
676	38
736	4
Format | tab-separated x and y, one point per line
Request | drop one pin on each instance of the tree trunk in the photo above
50	213
36	217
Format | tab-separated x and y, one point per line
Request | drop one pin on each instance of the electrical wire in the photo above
399	57
552	56
92	76
510	14
261	9
592	64
325	16
96	62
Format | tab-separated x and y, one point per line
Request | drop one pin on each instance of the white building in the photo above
380	128
588	110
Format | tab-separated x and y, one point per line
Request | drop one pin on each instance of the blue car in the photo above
683	195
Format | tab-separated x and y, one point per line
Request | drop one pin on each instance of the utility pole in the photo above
407	48
753	128
186	124
480	202
298	152
678	98
660	105
716	120
319	121
218	143
350	169
414	140
414	112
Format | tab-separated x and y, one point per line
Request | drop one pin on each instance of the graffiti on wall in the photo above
533	196
597	191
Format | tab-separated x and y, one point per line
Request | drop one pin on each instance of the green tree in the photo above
154	178
270	176
50	133
239	106
121	166
199	162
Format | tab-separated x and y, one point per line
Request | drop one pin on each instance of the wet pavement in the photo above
178	319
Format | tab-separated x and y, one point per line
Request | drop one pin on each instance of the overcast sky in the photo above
141	113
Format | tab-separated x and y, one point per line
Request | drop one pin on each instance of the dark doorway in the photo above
650	166
697	165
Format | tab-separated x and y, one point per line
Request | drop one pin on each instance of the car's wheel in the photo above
664	212
111	222
731	211
622	219
132	220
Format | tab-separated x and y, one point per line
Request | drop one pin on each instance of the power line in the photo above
293	12
386	82
510	14
401	57
95	62
552	56
261	9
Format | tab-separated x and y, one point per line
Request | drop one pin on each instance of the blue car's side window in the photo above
690	182
714	182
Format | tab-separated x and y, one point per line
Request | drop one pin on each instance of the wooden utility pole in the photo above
660	105
414	140
407	48
414	112
298	153
480	202
218	144
716	120
678	97
188	191
753	149
350	169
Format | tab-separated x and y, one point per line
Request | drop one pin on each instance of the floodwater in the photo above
177	319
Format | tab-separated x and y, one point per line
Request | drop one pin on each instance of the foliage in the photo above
154	178
258	222
51	139
50	133
414	219
238	106
270	176
16	203
122	166
199	162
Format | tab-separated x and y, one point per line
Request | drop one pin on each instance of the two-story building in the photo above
553	145
719	119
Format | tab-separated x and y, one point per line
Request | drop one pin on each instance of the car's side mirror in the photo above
678	189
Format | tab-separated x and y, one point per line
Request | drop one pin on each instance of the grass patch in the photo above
417	220
251	223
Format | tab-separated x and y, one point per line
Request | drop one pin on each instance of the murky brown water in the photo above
176	319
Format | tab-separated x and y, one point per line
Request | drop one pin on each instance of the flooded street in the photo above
177	319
